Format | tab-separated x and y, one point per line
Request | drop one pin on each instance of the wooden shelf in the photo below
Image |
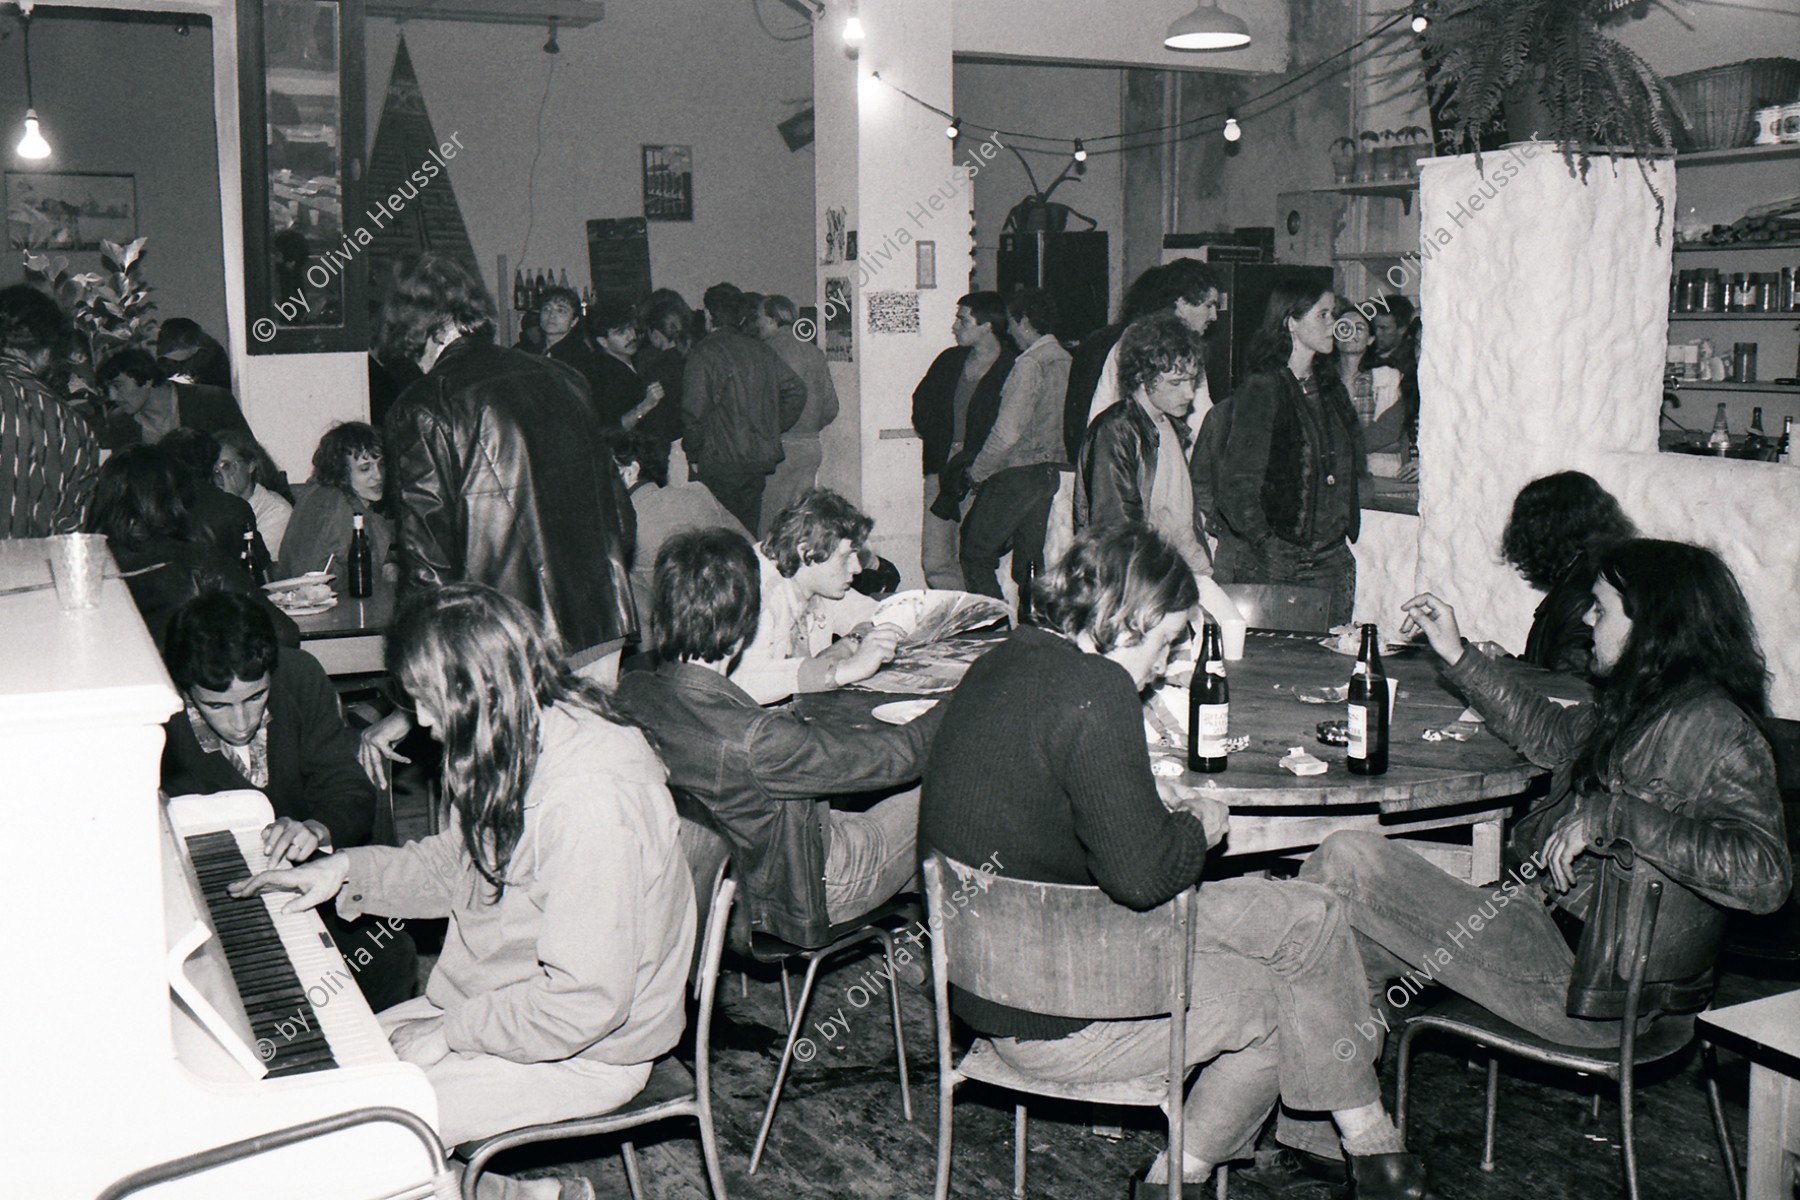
1738	154
1790	315
1703	248
1707	385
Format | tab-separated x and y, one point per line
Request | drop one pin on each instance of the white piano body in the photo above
107	1072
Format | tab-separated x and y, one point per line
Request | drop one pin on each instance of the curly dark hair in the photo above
427	292
1689	624
341	443
218	638
818	520
1154	344
1556	518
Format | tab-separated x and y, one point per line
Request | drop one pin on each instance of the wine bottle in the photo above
1209	706
362	566
562	278
1368	710
521	297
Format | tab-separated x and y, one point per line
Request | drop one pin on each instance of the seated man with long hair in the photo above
1041	763
1559	526
1665	771
571	907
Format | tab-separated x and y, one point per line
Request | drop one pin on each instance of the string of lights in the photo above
1228	120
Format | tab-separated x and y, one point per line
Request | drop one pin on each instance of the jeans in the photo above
937	544
1012	508
1412	923
739	489
1273	988
1329	567
870	856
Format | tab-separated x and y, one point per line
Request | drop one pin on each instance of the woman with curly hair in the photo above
570	904
1558	526
348	481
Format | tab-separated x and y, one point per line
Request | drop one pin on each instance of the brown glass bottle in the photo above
1368	710
361	565
1209	706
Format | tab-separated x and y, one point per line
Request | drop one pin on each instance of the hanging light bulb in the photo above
32	145
954	129
1233	131
853	29
1080	151
1420	23
550	45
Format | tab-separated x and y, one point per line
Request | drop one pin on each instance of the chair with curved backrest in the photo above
672	1090
1667	1036
1292	607
1060	950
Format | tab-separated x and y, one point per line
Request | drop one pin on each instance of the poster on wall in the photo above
668	183
69	212
840	329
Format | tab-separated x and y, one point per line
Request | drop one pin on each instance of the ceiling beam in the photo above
570	14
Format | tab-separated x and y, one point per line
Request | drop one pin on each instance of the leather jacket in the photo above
1691	792
502	479
1269	474
1117	465
763	777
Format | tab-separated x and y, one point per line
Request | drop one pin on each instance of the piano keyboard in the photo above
305	1008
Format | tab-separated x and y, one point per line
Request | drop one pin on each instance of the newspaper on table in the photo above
933	655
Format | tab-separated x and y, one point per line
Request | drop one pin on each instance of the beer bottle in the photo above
521	295
1028	594
1368	710
1209	706
1784	452
248	556
362	566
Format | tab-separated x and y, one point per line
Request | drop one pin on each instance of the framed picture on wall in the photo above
668	183
69	212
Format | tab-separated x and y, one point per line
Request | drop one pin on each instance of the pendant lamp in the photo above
1208	27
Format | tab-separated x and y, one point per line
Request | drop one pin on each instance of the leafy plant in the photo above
111	310
1595	93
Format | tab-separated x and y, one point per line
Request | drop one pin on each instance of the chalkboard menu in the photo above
619	258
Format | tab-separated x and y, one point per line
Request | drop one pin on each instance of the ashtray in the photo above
1334	733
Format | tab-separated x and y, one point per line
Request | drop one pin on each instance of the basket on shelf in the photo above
1718	105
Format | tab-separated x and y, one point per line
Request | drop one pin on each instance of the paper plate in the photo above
281	585
902	712
307	610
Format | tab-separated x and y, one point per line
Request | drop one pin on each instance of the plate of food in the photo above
902	712
303	596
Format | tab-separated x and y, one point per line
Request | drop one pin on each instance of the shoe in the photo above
1388	1177
1289	1170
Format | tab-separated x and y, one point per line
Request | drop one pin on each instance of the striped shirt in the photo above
48	458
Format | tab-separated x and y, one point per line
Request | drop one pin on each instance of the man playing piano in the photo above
570	904
266	718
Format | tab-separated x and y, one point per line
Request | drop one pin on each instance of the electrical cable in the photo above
756	7
531	179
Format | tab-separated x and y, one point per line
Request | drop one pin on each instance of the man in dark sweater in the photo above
1041	761
266	719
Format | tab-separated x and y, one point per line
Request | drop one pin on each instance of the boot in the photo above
1388	1177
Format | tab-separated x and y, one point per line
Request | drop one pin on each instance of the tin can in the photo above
1743	362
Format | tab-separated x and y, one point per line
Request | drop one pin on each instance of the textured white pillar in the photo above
1544	301
885	161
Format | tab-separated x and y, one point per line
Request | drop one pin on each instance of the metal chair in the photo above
871	926
672	1090
1291	607
1666	1037
1065	951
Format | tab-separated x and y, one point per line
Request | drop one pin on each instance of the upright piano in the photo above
150	1016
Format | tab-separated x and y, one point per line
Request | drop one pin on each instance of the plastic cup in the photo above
1231	638
77	565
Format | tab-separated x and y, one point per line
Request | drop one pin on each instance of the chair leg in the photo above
1018	1152
628	1152
1224	1182
887	946
1493	1111
787	995
1709	1068
709	1149
1626	1122
946	1141
796	1015
1404	1072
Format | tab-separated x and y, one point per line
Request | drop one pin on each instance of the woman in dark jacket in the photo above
1558	527
1285	453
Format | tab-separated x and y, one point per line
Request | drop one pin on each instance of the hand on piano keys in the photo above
317	881
285	839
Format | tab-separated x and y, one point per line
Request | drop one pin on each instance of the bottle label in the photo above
1216	667
1359	731
1214	725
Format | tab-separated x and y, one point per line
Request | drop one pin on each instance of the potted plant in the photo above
1550	67
111	311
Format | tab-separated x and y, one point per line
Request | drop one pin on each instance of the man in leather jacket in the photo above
501	472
